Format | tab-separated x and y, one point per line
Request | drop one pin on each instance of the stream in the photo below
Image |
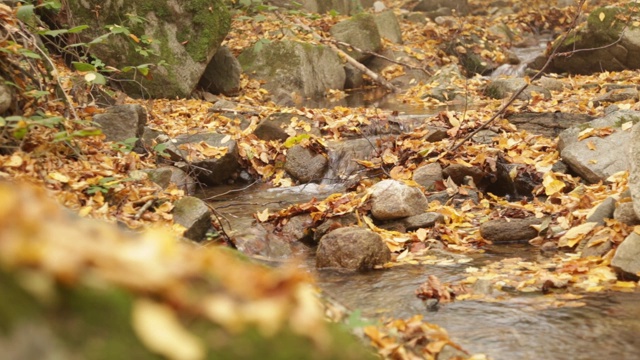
606	328
518	328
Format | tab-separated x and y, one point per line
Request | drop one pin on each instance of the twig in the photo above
144	208
514	96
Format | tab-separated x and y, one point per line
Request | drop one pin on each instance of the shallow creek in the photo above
607	328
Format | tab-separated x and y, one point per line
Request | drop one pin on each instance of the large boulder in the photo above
352	248
222	75
388	26
392	199
602	43
509	230
122	122
185	35
293	70
634	169
427	175
359	31
598	156
212	158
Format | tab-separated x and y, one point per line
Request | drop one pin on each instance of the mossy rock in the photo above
185	33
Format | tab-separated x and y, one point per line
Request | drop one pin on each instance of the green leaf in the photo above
25	13
77	29
99	79
3	122
53	32
294	140
20	133
81	66
143	70
86	132
100	39
29	54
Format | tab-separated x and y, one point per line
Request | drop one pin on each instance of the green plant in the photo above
105	184
125	146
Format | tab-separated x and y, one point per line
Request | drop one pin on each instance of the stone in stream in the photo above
424	220
211	170
597	157
273	127
627	256
509	230
352	248
166	175
334	223
122	122
297	228
596	246
194	215
625	214
304	164
392	199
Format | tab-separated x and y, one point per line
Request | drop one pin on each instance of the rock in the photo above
359	31
6	96
634	169
443	197
343	7
467	50
274	127
194	215
625	214
627	256
379	6
152	137
352	248
342	155
461	6
186	35
334	223
445	80
294	71
504	88
597	246
122	122
549	83
210	170
388	26
603	211
612	45
428	175
297	228
547	124
304	164
353	77
458	172
416	17
166	175
392	199
513	181
484	137
257	240
616	95
222	74
597	157
509	230
424	220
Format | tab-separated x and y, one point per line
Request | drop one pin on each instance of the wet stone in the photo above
509	230
428	175
352	248
625	214
194	215
392	199
603	211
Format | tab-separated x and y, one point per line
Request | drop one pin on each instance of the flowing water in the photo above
608	327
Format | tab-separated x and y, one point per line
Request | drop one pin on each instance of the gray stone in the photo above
354	78
416	17
388	26
547	124
294	71
634	168
6	97
427	175
484	137
445	83
166	175
297	228
222	74
625	214
342	155
605	160
352	248
616	95
379	6
603	211
122	122
208	170
509	230
273	127
597	246
334	223
194	215
461	6
186	35
504	88
424	220
152	137
392	199
551	84
359	31
304	164
627	256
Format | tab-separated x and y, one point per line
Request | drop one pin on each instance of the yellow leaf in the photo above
422	234
591	145
134	38
575	234
159	329
14	161
626	126
551	184
225	139
263	215
601	16
58	177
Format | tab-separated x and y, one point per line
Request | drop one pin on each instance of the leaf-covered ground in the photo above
99	180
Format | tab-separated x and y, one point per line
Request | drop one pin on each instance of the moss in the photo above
624	119
212	26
